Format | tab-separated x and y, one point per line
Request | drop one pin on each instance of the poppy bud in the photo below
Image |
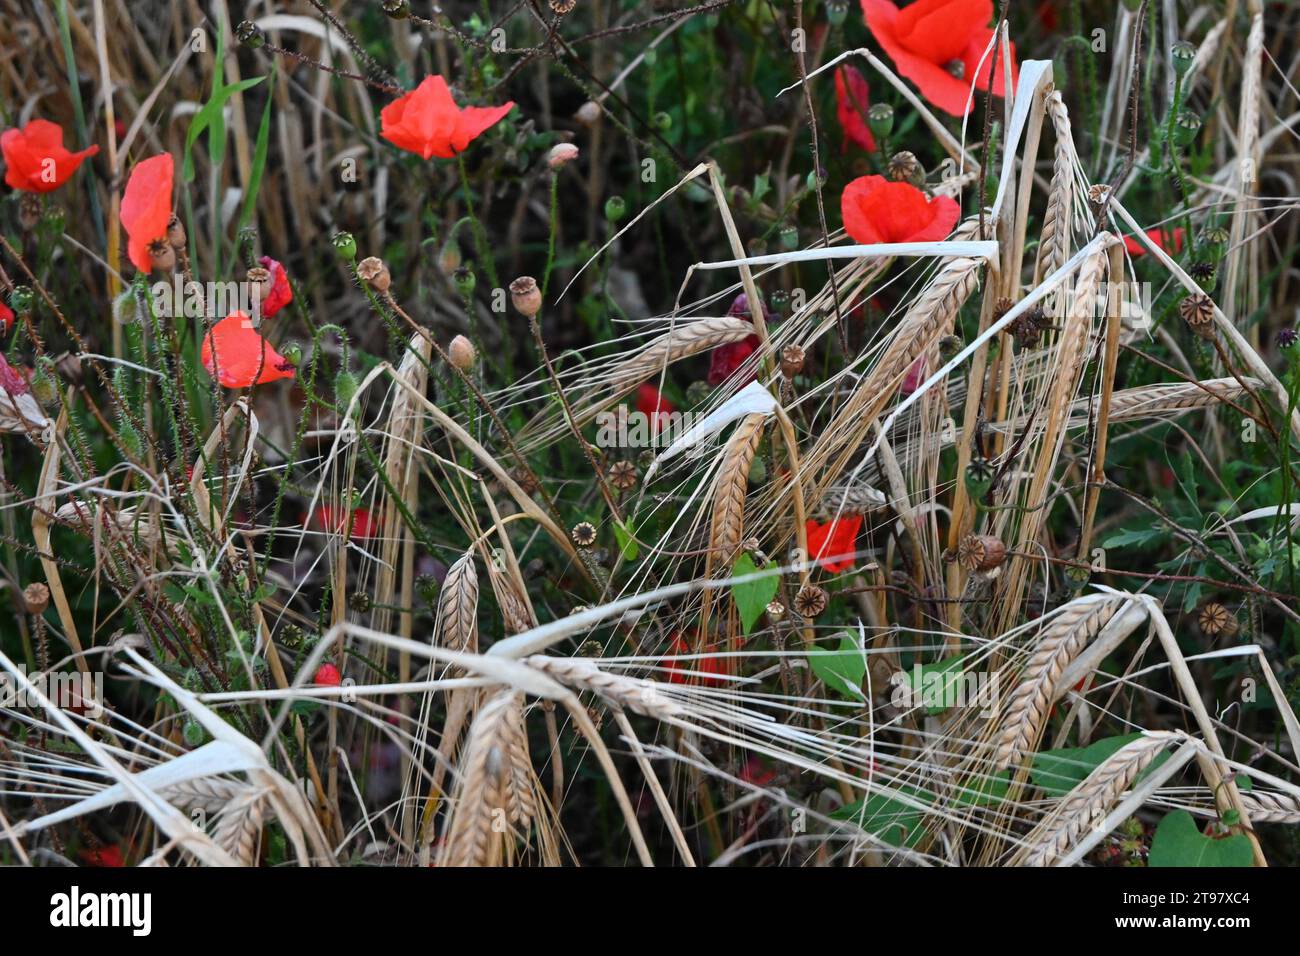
525	295
345	388
462	354
162	257
21	299
836	12
880	119
250	34
193	733
397	9
449	258
589	113
1197	310
1183	54
792	359
37	598
345	245
176	233
904	167
615	208
374	273
44	388
816	178
561	155
465	281
1186	125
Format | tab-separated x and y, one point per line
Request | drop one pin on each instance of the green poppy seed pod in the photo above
193	733
292	353
979	478
778	300
1186	125
1076	577
697	393
615	208
250	34
949	346
789	237
837	12
663	121
345	388
1183	53
880	119
345	245
465	281
1215	237
397	9
22	299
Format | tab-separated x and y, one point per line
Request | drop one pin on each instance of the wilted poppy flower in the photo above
335	521
851	107
35	159
876	209
281	293
12	381
6	318
697	666
147	208
653	406
243	357
428	121
730	356
1164	238
833	544
937	44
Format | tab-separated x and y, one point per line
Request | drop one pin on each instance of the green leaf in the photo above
1057	772
210	116
259	166
752	597
1129	536
984	791
624	535
1179	842
841	670
937	681
891	819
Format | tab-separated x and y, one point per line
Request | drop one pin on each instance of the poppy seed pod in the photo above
589	113
792	359
880	119
162	256
810	601
615	208
461	353
21	299
397	9
1183	53
29	211
344	245
1197	310
374	273
525	295
1186	125
981	552
979	477
1215	619
37	598
259	283
250	34
904	167
176	233
561	155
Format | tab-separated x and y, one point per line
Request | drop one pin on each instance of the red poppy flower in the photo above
851	108
281	293
12	380
335	520
105	856
327	675
428	121
35	158
914	377
727	358
653	406
833	544
689	671
147	207
7	318
932	41
243	357
756	773
1047	16
876	209
1161	237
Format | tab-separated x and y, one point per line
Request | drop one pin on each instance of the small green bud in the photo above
345	388
615	208
837	12
22	299
663	121
345	245
193	733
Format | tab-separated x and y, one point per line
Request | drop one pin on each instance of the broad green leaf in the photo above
935	685
1179	842
984	791
624	535
891	819
1057	772
841	670
1133	536
752	597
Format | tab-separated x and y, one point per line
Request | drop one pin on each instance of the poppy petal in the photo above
243	357
851	100
876	210
937	29
147	207
834	543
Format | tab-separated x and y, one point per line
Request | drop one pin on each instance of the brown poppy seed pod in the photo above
792	359
1197	311
904	167
583	534
526	296
1098	193
29	211
981	552
589	113
1215	619
162	256
810	601
622	475
374	273
176	232
37	598
561	155
259	283
461	353
775	610
562	7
